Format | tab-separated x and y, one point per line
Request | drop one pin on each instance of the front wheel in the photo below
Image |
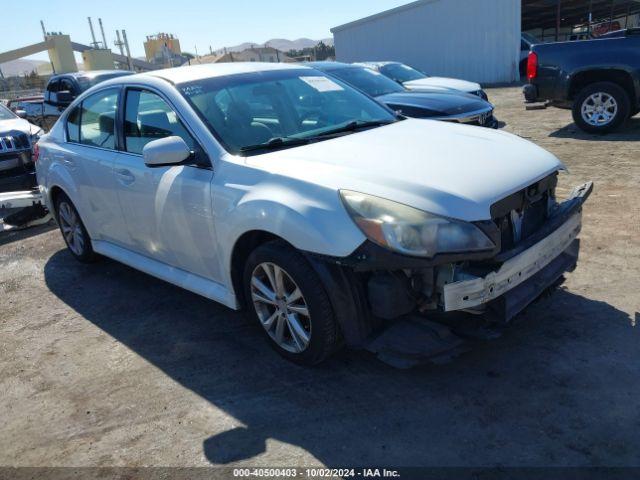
601	107
287	298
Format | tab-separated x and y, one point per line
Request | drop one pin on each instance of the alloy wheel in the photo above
71	228
281	307
599	109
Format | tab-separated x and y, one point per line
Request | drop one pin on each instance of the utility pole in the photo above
126	46
104	39
94	43
119	43
558	20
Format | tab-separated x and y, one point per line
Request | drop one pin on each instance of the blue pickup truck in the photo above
599	80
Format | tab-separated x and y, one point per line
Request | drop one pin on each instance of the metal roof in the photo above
538	13
543	13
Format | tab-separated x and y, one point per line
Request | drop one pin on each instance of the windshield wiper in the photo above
353	126
275	142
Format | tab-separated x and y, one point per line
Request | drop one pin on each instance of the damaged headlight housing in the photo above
411	231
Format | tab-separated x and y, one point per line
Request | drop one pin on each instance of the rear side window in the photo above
148	117
73	125
98	118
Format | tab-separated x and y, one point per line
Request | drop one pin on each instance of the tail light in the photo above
532	66
35	152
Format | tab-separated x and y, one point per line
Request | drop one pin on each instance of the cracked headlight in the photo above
411	231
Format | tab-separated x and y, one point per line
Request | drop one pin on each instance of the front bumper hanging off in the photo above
528	272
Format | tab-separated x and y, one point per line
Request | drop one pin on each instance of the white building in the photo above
476	40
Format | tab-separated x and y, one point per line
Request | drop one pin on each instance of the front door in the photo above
168	210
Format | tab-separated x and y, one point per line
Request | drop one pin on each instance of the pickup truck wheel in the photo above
73	231
601	107
287	298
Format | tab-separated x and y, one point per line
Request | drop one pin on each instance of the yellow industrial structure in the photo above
61	53
97	59
157	46
61	48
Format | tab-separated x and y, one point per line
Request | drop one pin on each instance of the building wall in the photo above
476	40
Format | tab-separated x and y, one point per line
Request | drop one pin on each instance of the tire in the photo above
73	230
607	119
319	337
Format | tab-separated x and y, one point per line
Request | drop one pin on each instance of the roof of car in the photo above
92	73
210	70
330	65
375	64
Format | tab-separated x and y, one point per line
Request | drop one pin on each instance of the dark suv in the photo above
62	89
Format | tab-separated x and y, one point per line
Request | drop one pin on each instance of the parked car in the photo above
599	80
17	137
280	189
414	79
61	90
436	104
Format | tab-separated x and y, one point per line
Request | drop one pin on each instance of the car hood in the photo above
454	170
435	103
443	82
18	124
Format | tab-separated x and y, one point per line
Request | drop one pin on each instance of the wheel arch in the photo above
242	248
344	290
620	77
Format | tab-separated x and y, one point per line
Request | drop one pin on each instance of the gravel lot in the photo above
101	365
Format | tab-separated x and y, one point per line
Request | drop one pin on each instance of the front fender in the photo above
309	217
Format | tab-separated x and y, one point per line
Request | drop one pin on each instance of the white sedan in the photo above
278	189
414	79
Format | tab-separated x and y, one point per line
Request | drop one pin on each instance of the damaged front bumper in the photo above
375	288
542	263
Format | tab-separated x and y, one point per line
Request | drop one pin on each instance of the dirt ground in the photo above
101	365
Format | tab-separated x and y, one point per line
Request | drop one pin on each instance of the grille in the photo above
14	142
523	213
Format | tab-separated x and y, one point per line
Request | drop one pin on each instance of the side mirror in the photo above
64	97
165	151
21	113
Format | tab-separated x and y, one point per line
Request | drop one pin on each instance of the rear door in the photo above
88	156
168	210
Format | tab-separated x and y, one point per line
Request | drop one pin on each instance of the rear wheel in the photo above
601	107
287	298
73	231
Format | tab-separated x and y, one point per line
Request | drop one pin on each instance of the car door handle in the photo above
125	176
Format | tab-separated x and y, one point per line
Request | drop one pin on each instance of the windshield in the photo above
401	72
279	108
530	39
87	82
369	81
6	114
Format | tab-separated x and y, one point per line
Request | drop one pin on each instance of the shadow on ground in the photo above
14	235
628	132
560	388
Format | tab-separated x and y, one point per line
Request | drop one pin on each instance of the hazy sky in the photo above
197	23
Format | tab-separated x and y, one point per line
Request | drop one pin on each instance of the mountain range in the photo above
281	44
24	66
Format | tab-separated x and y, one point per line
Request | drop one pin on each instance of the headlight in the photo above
409	230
